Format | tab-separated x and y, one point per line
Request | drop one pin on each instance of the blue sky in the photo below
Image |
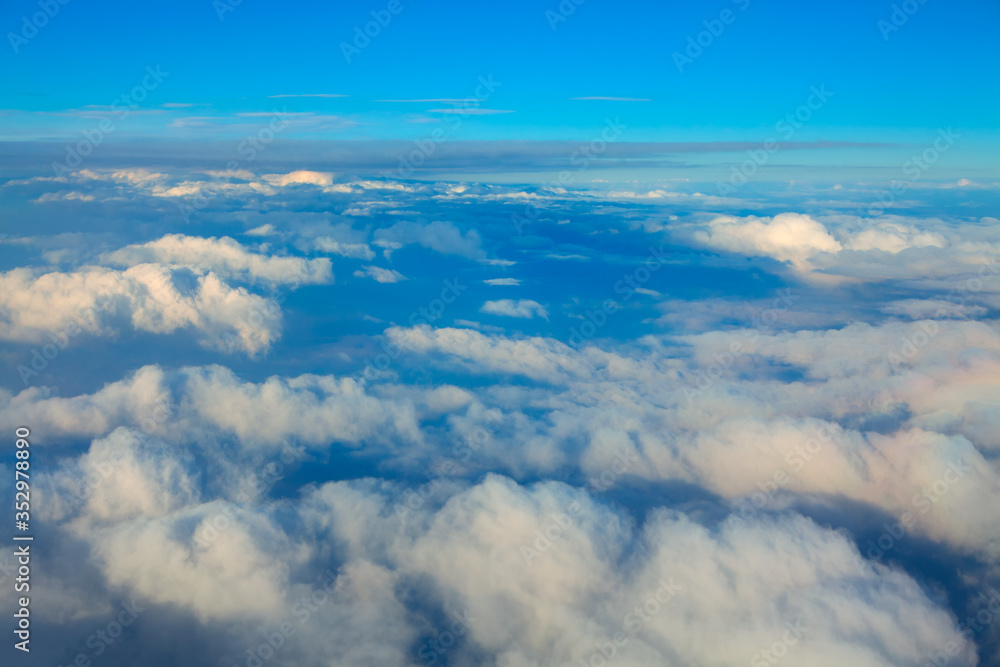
937	69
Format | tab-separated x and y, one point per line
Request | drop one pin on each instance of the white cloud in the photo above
525	308
226	257
787	237
380	274
442	237
893	237
262	230
299	178
354	250
150	297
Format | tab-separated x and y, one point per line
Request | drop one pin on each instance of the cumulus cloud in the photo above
787	237
525	308
815	449
893	237
541	575
227	258
146	297
315	411
719	440
926	252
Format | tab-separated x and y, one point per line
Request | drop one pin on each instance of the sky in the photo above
517	335
888	83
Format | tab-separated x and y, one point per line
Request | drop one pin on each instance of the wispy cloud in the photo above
445	100
324	95
379	274
612	99
472	112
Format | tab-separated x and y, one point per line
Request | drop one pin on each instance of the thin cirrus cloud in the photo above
445	100
380	274
611	99
471	111
323	95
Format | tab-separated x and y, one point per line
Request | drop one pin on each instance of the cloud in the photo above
809	439
541	574
300	177
262	230
439	236
146	297
471	111
379	274
314	411
537	358
525	308
327	95
893	237
449	100
787	237
62	195
887	458
613	99
226	257
354	250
